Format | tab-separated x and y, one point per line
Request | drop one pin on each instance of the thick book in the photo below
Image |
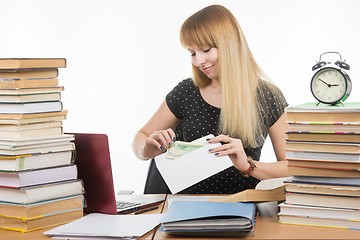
323	200
22	116
36	161
11	131
323	147
29	73
214	218
18	119
26	143
38	149
323	117
32	194
325	164
28	108
17	91
30	126
322	212
323	156
31	133
323	171
28	178
27	63
25	98
316	188
50	220
324	127
29	83
324	137
314	112
43	208
333	222
321	107
326	180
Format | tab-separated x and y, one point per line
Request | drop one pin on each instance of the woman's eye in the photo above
192	54
207	50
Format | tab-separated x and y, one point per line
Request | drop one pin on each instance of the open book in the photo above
266	190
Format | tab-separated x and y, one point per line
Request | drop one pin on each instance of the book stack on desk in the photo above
323	153
38	180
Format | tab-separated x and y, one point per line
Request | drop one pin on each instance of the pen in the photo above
146	210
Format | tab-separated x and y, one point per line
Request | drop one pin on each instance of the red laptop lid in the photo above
94	168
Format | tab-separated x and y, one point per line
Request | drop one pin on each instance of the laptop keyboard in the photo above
122	205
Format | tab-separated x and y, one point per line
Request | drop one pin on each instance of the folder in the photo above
209	218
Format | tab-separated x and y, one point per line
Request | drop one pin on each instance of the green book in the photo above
320	107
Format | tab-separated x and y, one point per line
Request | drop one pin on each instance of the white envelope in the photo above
193	167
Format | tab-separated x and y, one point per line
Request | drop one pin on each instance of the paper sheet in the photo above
192	167
104	225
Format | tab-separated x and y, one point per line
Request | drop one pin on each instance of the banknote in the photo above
180	148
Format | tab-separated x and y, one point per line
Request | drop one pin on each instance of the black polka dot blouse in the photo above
198	119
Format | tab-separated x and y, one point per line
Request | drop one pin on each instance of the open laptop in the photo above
94	168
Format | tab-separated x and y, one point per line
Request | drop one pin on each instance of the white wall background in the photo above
124	56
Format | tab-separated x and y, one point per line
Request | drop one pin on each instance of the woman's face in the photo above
205	58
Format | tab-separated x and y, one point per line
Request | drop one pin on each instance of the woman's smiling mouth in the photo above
205	69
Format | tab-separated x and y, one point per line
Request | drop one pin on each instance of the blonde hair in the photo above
239	75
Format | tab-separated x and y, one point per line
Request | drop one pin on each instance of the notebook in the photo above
94	168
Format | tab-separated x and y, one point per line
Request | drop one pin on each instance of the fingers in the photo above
230	145
162	139
221	148
221	138
228	151
225	149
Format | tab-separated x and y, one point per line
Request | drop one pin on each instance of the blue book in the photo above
209	218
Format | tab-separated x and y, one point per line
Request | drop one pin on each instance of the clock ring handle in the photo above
339	63
330	52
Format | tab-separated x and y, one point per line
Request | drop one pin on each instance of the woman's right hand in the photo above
158	142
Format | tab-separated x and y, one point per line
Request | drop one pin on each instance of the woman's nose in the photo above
199	60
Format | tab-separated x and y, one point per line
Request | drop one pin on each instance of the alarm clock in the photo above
330	83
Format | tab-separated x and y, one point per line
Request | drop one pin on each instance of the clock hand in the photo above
333	85
329	85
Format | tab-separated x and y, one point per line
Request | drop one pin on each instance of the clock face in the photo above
329	85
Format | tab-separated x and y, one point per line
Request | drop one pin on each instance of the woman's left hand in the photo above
233	148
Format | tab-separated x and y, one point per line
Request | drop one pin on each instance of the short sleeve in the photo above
175	98
271	103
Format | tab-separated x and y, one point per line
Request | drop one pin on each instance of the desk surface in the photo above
265	229
270	229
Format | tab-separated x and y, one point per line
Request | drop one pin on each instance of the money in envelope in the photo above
180	148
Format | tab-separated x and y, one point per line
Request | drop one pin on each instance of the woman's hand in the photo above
158	142
233	148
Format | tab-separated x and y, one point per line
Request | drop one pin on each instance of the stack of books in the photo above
323	153
38	180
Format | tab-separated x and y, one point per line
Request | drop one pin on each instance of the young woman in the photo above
229	96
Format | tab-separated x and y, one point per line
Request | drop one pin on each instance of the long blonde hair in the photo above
239	75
